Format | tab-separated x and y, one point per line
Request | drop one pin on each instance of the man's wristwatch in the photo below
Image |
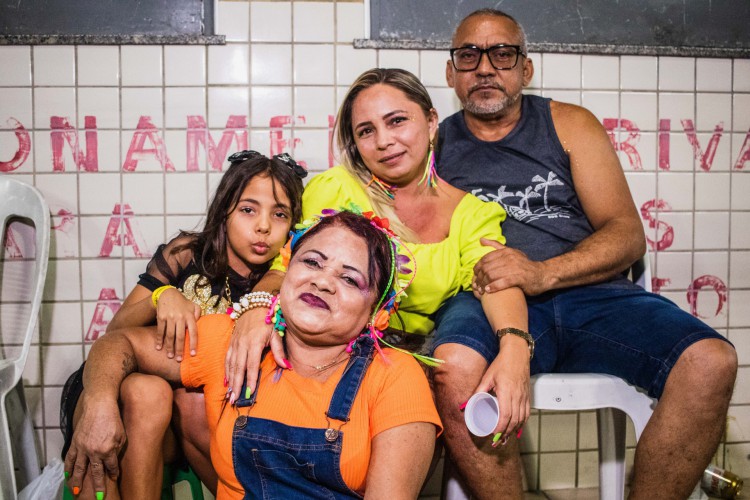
519	333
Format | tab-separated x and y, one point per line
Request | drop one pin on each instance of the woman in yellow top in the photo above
385	131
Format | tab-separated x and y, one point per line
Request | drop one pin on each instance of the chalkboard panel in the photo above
682	27
106	17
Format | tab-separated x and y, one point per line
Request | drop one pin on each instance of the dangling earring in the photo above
387	188
430	175
276	317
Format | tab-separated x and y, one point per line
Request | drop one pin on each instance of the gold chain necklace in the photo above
227	290
320	368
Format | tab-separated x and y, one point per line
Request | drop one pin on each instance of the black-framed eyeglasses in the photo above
501	57
284	158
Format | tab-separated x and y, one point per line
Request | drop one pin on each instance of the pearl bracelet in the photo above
251	300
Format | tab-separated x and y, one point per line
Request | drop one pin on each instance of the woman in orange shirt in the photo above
344	422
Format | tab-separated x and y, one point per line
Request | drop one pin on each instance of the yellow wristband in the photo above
157	293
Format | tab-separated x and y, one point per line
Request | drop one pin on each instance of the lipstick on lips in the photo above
314	301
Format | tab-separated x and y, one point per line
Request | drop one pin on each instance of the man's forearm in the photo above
609	251
111	360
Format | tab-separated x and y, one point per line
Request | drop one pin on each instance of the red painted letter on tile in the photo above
665	126
278	143
12	249
121	216
628	145
658	283
702	282
62	132
198	135
667	237
706	159
137	150
24	146
108	304
744	156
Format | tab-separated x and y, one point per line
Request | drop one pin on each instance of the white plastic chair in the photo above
19	201
610	396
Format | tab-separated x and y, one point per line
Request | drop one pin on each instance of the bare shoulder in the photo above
570	118
578	129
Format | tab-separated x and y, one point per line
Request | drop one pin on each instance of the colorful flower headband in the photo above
395	290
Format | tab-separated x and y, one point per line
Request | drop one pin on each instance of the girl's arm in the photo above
174	314
136	310
400	461
508	375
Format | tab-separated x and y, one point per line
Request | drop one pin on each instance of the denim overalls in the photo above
277	461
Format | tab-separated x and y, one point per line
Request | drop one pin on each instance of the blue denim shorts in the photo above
614	328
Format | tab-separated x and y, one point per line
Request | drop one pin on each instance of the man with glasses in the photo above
572	231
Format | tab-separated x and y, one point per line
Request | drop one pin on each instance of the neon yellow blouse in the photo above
443	269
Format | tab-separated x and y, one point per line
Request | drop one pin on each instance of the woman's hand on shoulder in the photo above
250	338
174	315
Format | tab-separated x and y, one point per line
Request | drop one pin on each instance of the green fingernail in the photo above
497	437
67	475
248	393
99	495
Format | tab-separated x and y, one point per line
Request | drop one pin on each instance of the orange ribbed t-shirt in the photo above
393	393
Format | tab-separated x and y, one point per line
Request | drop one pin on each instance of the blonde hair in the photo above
410	85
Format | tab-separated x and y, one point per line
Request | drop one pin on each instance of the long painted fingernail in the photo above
287	364
248	393
497	437
226	381
463	405
231	399
76	490
99	495
67	475
520	431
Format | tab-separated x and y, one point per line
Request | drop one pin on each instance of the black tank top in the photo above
527	172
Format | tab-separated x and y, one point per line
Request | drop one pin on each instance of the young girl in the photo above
256	203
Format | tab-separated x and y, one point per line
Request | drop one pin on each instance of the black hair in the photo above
209	246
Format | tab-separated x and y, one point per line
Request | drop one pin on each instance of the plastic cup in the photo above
481	414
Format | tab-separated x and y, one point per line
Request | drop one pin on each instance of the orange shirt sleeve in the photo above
404	394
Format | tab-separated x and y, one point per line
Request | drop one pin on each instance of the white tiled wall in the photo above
274	87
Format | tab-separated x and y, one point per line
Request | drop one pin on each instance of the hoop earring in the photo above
430	175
